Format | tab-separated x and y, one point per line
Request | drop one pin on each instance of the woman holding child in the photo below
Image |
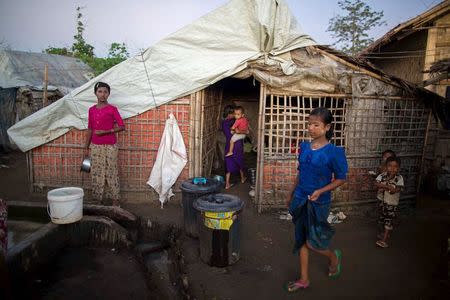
234	163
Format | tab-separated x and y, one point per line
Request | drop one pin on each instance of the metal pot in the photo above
86	165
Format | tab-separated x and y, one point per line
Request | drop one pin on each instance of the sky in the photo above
33	25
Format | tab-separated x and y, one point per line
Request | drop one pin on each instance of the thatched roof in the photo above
440	70
442	66
365	66
439	105
409	27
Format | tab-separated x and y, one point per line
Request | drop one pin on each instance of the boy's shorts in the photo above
237	136
387	215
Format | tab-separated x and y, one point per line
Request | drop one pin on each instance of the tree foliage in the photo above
116	54
59	51
351	29
81	49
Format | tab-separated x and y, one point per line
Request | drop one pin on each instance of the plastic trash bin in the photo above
190	192
219	228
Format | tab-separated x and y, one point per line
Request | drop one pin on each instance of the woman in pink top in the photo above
102	140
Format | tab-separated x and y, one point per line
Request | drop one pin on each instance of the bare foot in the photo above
227	187
228	154
244	180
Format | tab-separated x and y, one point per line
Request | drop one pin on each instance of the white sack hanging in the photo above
170	161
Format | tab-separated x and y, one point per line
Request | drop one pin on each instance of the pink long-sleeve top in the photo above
104	119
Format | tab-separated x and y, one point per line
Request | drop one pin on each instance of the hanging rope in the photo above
148	78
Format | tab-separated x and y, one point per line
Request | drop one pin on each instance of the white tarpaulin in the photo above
214	47
170	161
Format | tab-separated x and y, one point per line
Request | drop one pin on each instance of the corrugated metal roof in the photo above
18	68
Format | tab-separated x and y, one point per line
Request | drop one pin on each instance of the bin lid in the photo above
210	186
219	203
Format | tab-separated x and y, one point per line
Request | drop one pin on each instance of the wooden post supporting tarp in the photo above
45	85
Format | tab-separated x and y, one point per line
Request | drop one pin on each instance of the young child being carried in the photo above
390	184
239	128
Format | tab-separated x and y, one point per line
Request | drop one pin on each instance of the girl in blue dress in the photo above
322	168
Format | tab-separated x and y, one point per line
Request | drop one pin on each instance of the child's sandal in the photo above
294	286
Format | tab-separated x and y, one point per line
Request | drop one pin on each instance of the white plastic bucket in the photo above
65	205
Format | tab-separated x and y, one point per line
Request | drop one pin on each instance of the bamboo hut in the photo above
22	81
279	83
418	51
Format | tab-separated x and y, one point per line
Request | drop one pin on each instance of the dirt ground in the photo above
414	267
93	273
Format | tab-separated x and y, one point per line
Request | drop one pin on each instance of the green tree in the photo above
80	48
351	29
59	51
117	52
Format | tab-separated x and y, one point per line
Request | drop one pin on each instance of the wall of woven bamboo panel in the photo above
364	126
57	163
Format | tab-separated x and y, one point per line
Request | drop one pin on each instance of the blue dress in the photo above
316	170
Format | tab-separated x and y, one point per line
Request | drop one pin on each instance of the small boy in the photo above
239	128
381	169
390	183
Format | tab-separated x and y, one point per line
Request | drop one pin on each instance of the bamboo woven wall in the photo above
404	58
399	124
364	126
57	163
212	101
285	126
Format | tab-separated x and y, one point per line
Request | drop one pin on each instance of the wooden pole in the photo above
29	156
259	192
192	135
45	84
203	95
